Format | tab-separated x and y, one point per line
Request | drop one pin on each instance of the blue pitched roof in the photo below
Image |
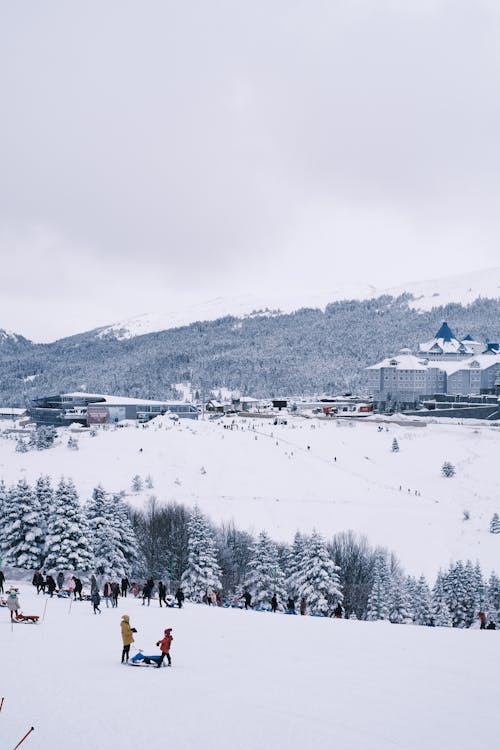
445	333
468	338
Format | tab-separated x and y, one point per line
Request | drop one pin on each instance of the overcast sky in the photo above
158	153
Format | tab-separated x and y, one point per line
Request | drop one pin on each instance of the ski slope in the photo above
283	478
246	680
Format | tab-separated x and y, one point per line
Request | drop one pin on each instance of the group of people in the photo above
128	638
47	583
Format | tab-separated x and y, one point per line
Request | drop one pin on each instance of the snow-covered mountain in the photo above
427	294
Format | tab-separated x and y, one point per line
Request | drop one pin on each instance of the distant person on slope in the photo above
179	595
162	592
51	585
491	625
60	580
125	584
147	591
2	579
13	602
303	606
95	598
107	593
247	598
482	620
127	637
164	644
274	603
37	581
78	587
115	591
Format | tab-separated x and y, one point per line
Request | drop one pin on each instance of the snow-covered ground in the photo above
285	477
245	680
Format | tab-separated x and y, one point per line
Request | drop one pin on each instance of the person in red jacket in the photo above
164	644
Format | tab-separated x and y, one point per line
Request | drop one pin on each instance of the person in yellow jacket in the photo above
127	636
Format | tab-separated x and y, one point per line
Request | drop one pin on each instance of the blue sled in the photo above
140	660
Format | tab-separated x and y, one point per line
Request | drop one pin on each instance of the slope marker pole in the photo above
26	735
44	609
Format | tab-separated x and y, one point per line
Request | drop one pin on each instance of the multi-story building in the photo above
444	365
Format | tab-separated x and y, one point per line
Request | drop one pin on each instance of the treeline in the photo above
306	352
46	528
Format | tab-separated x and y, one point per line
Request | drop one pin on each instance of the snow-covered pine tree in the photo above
105	537
44	437
45	495
495	524
422	605
22	528
126	537
379	599
294	563
458	595
448	470
395	446
3	499
22	445
400	608
265	577
136	483
318	578
202	570
493	594
68	546
73	443
440	613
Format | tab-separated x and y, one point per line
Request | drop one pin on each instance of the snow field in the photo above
264	476
243	679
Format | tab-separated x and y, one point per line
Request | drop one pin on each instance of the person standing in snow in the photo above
482	620
179	595
51	585
247	597
291	605
78	587
2	579
164	644
60	580
303	606
125	585
107	593
147	591
93	584
115	592
127	637
13	603
274	603
37	581
162	591
95	598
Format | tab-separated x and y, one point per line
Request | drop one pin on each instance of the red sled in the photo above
27	618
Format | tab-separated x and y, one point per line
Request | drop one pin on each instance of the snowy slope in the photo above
244	680
464	288
265	477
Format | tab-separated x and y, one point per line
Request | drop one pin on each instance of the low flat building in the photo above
97	408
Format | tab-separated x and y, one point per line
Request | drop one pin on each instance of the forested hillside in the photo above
306	352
